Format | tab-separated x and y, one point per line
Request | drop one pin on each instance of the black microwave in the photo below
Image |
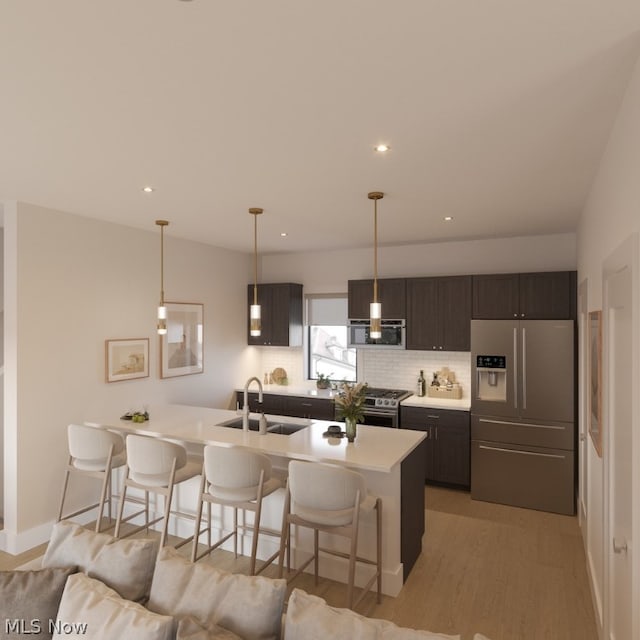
393	334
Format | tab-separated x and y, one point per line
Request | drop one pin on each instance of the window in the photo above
327	350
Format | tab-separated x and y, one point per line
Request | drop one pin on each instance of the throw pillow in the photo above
311	618
89	609
29	601
124	565
249	606
190	629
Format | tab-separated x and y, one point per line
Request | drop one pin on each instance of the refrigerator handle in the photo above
515	367
524	369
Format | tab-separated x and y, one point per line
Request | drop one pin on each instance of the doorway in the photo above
620	403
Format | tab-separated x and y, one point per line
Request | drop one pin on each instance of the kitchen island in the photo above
390	459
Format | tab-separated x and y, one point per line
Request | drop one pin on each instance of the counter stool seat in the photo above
240	479
155	466
331	499
94	452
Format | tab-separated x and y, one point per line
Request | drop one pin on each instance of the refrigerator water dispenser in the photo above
492	378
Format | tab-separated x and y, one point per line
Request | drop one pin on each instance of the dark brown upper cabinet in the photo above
439	313
391	293
547	295
281	309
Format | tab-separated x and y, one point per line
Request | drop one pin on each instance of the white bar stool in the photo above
155	465
330	498
93	452
240	479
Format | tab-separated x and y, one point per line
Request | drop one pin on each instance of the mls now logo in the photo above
67	628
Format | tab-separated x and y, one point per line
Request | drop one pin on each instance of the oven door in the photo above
380	417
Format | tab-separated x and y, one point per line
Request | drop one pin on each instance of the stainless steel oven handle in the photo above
379	412
522	453
522	424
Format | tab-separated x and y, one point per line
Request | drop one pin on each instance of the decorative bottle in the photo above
421	384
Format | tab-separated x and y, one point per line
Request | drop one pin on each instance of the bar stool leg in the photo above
316	560
64	490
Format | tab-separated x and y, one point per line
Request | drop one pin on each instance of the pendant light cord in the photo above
375	250
255	259
161	265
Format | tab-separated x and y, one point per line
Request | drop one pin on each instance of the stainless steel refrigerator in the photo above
523	413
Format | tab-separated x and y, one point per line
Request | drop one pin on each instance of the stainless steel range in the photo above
382	406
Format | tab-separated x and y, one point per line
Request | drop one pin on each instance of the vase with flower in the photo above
350	406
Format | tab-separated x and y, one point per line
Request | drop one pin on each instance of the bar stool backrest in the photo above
93	443
233	468
324	493
151	459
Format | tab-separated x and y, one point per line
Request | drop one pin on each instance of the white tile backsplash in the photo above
390	368
400	369
291	359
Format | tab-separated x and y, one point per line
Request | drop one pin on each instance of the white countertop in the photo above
375	448
463	404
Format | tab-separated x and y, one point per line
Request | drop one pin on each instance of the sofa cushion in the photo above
90	609
124	565
190	629
311	618
249	606
30	599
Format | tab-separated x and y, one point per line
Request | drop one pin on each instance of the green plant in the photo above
350	401
323	381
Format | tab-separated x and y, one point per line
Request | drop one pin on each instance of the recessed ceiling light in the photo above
382	147
448	218
284	234
148	189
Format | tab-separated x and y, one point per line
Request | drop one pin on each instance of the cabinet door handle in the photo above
522	453
436	430
433	417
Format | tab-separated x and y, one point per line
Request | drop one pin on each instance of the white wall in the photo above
611	214
71	283
328	271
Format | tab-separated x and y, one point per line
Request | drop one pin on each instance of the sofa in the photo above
92	585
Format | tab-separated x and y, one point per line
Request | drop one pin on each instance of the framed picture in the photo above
126	359
595	379
181	348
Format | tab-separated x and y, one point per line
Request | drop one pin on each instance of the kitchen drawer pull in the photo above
433	417
522	424
523	453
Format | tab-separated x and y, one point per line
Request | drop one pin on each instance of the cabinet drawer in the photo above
271	403
316	408
530	477
419	418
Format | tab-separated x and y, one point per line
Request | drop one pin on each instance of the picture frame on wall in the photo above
595	380
126	359
182	347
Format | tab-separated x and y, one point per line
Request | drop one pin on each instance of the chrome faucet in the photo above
245	407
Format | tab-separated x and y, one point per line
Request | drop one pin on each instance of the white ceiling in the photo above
497	112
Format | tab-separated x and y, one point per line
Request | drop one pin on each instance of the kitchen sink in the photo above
283	428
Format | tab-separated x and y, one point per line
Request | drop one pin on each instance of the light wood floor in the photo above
511	574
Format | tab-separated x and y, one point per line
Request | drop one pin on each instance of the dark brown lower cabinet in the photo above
315	408
294	406
447	450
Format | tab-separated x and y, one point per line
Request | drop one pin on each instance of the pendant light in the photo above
375	308
255	327
162	309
